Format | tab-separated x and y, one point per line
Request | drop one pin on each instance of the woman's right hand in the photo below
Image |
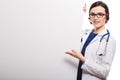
84	8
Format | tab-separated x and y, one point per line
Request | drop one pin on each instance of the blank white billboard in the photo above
34	34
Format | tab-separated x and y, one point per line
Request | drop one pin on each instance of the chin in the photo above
96	26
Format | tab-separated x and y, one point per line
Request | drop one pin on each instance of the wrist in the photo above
83	59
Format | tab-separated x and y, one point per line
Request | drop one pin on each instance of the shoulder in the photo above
112	40
85	32
111	45
111	36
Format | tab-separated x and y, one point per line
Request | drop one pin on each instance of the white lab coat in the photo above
99	56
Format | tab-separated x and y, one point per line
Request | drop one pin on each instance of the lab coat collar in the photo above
99	34
102	32
87	32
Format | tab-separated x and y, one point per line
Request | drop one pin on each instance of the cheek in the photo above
103	21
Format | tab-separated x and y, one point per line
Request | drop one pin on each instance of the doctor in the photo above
97	46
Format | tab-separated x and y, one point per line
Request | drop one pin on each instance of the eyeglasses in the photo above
99	15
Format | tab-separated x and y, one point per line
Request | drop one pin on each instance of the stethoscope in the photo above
107	39
107	34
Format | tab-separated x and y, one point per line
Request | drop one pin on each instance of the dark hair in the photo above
102	4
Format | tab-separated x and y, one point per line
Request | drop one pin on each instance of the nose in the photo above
95	17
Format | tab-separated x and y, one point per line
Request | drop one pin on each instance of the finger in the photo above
68	52
74	51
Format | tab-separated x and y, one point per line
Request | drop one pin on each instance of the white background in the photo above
34	34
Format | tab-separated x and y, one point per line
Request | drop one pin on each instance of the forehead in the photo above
98	9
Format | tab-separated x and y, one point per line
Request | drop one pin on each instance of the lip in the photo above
96	22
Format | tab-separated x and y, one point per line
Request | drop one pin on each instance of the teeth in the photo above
96	22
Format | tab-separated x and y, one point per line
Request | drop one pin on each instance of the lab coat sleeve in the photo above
81	39
101	70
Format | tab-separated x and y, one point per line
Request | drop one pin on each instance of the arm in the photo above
76	55
101	70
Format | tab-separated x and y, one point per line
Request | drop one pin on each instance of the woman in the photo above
97	47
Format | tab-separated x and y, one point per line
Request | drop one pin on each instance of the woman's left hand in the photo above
76	55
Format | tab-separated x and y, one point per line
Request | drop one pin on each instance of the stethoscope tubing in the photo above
106	34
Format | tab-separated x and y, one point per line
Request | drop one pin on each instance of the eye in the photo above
92	14
100	14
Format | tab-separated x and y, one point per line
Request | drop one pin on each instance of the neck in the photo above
98	30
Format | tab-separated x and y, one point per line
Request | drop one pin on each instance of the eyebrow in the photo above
98	12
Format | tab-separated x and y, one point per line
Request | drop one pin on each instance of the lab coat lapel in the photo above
86	34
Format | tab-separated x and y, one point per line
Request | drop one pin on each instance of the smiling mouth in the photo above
96	22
